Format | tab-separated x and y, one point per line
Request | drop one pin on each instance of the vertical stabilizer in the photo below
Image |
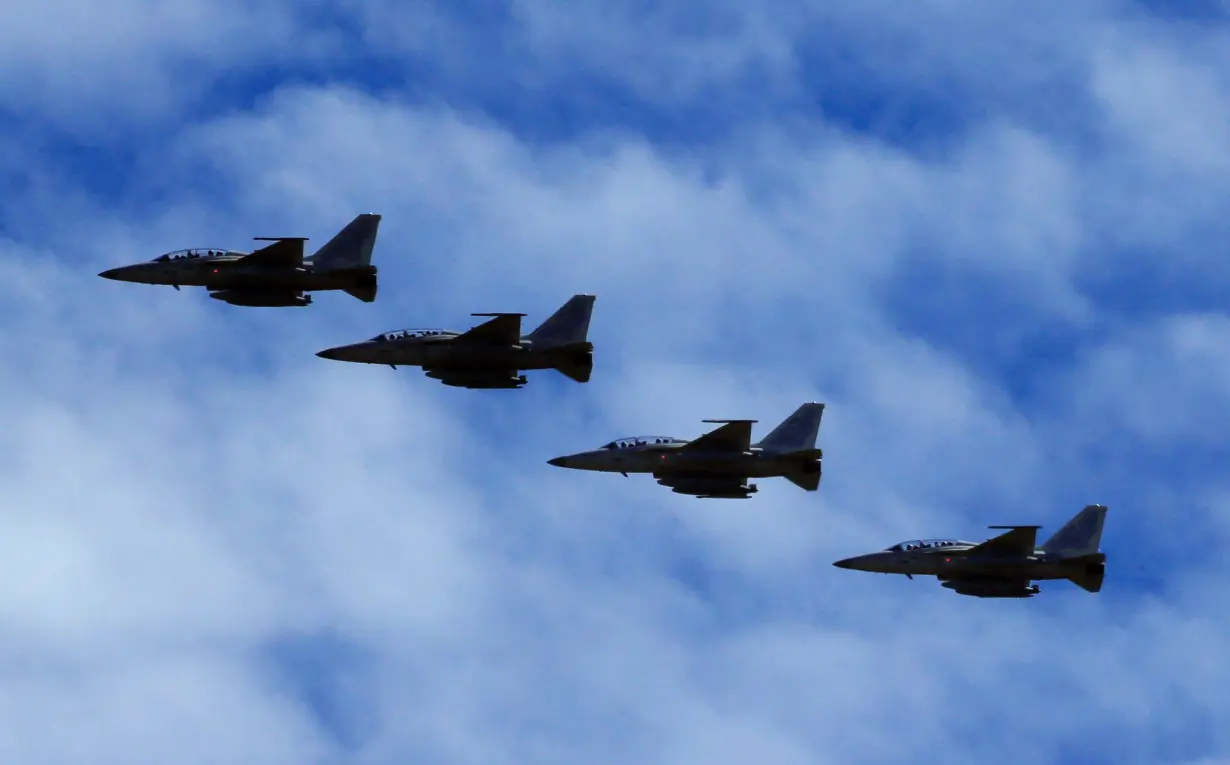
1080	536
797	433
351	247
567	326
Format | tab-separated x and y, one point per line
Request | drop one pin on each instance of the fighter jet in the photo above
719	463
275	275
1002	567
489	355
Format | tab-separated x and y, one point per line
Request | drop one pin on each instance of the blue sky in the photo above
989	236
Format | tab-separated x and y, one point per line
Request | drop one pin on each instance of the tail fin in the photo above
567	326
351	247
797	433
1079	536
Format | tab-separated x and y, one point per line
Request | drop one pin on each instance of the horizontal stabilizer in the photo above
1089	573
365	290
580	372
575	361
806	477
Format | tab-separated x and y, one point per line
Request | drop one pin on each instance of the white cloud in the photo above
105	73
189	491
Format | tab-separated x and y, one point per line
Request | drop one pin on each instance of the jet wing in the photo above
283	252
734	435
504	329
1020	541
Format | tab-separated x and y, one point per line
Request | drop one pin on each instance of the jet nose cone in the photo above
328	353
558	462
844	563
110	273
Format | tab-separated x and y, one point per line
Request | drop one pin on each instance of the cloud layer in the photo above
991	245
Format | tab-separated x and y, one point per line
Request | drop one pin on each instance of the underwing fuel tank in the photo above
991	589
478	381
261	299
705	488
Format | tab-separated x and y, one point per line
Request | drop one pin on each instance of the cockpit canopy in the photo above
192	254
403	334
927	544
627	443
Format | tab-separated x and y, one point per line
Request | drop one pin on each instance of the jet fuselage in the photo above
229	272
670	457
954	561
437	349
